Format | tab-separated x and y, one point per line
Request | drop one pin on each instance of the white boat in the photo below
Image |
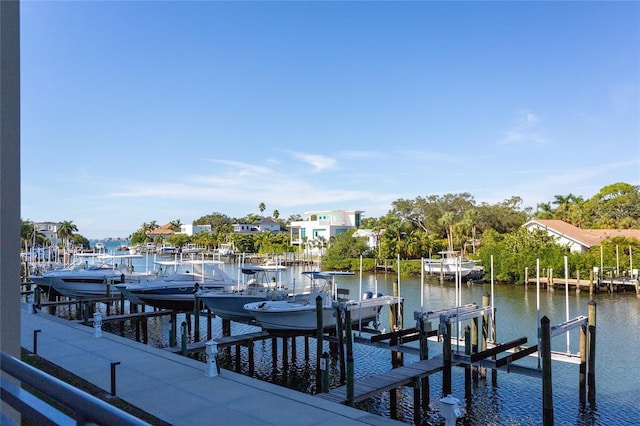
293	317
95	279
451	264
191	248
177	282
264	284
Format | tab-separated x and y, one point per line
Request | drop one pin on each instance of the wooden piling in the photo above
547	386
446	354
341	354
173	330
424	355
285	354
583	364
591	354
467	368
251	358
319	333
350	361
485	331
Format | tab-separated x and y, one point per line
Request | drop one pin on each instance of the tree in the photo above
261	207
447	221
175	225
276	214
615	205
66	228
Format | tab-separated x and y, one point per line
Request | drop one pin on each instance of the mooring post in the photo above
306	348
583	364
341	326
445	328
474	345
485	331
209	324
417	412
145	330
319	343
196	316
591	368
251	358
274	352
547	385
183	330
285	354
173	330
350	366
424	355
467	368
238	361
324	368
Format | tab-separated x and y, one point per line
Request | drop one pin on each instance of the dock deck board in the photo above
401	376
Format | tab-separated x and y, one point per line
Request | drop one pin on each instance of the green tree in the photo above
66	228
262	208
175	225
276	214
615	205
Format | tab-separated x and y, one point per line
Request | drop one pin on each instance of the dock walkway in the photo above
175	388
395	378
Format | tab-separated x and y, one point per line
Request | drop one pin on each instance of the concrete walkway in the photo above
174	388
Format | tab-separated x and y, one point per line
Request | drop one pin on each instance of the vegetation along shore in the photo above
422	228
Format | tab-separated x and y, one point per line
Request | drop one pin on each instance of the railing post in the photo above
35	341
113	377
183	340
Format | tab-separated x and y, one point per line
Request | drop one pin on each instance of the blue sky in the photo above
141	111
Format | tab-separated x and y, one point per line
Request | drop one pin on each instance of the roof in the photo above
586	237
165	229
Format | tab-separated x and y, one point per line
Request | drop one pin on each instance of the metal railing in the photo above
87	409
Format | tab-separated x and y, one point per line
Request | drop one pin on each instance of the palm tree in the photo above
66	228
446	220
276	214
262	207
471	219
175	225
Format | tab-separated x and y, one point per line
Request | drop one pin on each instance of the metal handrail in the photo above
87	408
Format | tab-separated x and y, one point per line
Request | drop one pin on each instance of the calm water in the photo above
515	399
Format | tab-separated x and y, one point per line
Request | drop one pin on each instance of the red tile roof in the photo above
588	237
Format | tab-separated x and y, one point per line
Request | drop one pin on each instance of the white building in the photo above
370	235
320	226
191	230
264	225
49	230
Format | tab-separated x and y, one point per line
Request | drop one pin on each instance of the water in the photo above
515	399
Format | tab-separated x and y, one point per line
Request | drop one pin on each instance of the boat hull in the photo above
284	318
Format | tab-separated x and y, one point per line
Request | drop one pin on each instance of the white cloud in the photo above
318	162
521	132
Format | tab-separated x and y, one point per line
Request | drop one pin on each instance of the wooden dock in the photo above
395	378
611	285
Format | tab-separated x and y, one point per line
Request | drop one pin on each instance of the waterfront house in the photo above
264	225
315	232
190	229
577	239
